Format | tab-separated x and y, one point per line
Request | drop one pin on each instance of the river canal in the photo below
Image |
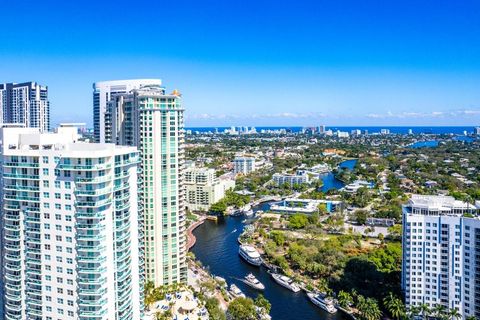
217	249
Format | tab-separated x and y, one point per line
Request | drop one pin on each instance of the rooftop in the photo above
440	203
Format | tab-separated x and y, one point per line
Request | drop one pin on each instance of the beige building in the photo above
204	188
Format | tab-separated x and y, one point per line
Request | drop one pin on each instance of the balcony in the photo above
96	167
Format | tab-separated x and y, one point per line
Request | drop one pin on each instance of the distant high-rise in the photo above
25	103
441	246
321	129
103	92
70	228
477	131
152	120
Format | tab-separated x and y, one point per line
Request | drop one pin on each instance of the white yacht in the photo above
248	213
236	292
286	282
253	282
250	254
247	207
321	301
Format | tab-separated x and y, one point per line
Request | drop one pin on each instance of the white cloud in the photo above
432	114
319	115
281	115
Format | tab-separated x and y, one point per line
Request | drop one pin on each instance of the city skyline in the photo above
338	64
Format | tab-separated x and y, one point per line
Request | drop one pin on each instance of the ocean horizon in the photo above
371	129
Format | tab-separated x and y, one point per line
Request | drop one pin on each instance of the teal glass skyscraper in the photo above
152	120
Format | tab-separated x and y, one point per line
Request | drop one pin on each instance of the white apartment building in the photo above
70	228
244	164
291	179
152	120
204	188
440	250
104	91
25	103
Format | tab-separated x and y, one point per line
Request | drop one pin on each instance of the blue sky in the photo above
258	62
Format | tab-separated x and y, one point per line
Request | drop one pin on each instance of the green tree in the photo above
148	294
395	231
242	309
439	311
388	258
454	314
425	310
262	302
278	237
213	308
361	216
345	299
314	218
297	221
394	306
218	207
368	308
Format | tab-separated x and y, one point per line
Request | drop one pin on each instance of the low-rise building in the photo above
354	186
307	206
204	188
291	179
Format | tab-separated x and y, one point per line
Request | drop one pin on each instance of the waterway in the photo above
329	180
424	144
217	249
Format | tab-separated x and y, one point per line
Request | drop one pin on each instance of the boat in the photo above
322	302
248	213
286	282
247	207
236	292
253	282
221	281
236	213
262	314
250	254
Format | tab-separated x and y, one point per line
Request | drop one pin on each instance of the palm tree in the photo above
425	310
149	297
368	308
394	306
412	312
454	314
344	299
439	311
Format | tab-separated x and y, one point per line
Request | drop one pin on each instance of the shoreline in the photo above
191	239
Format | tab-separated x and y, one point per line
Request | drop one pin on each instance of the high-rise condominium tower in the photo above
25	103
441	254
70	228
153	121
103	92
